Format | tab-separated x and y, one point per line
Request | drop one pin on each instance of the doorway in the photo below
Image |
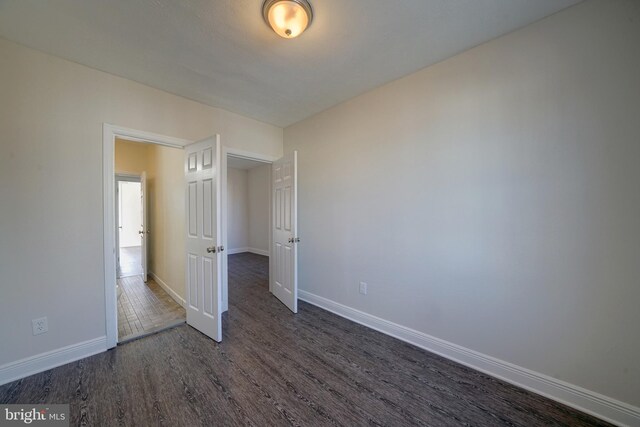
129	227
248	231
204	237
148	194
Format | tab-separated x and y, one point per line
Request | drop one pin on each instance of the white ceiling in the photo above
221	53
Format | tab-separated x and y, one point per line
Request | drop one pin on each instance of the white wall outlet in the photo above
40	326
363	288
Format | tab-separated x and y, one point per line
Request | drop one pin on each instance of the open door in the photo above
203	247
284	253
224	257
144	232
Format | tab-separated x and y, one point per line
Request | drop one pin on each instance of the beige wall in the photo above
130	157
167	217
165	203
248	194
51	250
238	210
492	200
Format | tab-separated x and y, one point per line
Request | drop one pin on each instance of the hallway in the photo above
144	308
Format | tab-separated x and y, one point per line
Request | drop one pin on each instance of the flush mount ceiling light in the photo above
288	18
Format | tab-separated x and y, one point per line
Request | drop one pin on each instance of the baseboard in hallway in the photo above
250	250
168	289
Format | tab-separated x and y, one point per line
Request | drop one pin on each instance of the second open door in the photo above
284	251
203	230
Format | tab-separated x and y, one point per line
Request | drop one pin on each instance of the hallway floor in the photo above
144	308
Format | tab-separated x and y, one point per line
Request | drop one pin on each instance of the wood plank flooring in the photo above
276	368
144	308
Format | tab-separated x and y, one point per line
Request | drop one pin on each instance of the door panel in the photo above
202	166
284	263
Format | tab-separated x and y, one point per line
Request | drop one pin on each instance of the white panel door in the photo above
144	227
284	253
203	247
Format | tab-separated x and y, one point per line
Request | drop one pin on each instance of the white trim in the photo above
109	134
242	154
593	403
127	176
168	289
147	137
247	249
51	359
237	251
224	258
258	251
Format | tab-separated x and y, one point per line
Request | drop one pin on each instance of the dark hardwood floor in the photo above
276	368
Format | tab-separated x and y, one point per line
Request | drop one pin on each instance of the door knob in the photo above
211	249
221	249
140	232
297	240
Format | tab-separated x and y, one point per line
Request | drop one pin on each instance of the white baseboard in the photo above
252	250
593	403
237	251
173	294
258	251
42	362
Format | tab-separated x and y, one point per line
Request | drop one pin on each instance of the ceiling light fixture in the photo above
288	18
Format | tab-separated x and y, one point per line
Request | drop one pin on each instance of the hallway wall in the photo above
249	195
165	205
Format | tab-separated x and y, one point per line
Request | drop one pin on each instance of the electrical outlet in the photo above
40	326
363	288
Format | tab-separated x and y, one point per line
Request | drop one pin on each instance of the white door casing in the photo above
284	253
117	215
109	134
144	227
203	236
224	211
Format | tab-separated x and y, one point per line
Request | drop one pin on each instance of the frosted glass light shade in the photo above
288	18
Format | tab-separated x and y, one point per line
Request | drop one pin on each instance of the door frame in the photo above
121	177
109	134
247	155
